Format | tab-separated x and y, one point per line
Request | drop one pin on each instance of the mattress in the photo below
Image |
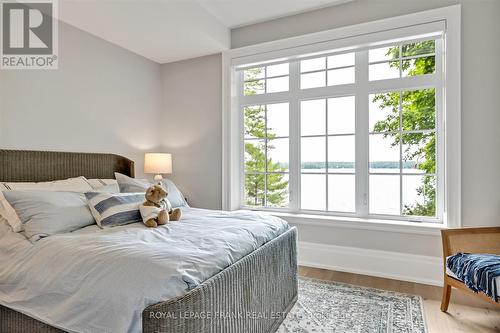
101	280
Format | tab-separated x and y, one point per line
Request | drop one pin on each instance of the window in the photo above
327	71
327	145
263	80
350	131
266	155
401	142
396	61
402	152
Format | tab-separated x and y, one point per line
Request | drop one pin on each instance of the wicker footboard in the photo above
252	295
15	322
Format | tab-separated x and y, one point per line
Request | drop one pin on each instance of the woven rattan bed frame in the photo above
252	295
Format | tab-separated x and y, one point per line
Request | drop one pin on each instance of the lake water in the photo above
384	190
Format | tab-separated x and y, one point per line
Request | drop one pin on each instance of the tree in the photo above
418	113
256	191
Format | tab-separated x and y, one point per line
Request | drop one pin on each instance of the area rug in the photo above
325	306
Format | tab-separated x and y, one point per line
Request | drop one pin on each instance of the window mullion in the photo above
400	107
241	141
440	130
266	158
362	138
294	137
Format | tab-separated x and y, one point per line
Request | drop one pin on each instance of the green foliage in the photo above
277	187
417	113
256	162
255	121
253	86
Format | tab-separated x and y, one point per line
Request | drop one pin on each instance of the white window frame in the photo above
447	19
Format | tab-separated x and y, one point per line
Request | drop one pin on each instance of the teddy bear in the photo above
157	210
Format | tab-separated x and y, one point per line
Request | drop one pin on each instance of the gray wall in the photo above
192	127
104	98
101	99
480	108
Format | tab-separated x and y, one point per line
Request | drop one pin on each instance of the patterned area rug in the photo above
325	306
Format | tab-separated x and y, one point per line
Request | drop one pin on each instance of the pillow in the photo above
113	209
4	227
78	184
44	213
9	214
129	185
104	185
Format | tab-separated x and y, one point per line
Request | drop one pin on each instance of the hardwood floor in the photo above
466	314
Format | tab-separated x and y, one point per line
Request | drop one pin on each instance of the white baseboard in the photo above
392	265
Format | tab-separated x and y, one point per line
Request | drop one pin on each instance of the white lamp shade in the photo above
157	163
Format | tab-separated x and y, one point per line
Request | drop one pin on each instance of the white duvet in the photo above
95	280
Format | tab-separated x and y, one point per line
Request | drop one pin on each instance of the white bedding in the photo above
95	280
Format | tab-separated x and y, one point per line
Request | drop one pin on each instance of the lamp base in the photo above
158	179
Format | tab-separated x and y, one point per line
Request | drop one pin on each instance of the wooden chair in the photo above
467	240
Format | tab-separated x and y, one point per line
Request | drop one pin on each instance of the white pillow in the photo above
4	227
8	213
104	185
78	184
45	213
134	185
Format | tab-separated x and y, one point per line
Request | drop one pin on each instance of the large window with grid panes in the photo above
346	132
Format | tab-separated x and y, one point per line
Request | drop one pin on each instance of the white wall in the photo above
191	92
192	127
104	98
480	83
480	109
480	112
101	99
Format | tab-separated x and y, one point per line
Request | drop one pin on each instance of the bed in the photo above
251	294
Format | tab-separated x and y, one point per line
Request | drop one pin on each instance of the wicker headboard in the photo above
38	166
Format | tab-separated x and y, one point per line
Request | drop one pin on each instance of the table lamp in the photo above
157	164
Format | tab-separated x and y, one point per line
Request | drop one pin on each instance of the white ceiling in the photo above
237	13
171	30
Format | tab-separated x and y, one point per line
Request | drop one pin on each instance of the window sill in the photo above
403	227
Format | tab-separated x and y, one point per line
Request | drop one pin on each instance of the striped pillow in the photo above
113	209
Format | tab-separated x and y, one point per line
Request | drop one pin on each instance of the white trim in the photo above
385	264
294	138
361	134
230	135
226	137
419	22
337	40
440	135
452	107
379	86
356	223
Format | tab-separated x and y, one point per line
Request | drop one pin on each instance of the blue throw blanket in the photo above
477	271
